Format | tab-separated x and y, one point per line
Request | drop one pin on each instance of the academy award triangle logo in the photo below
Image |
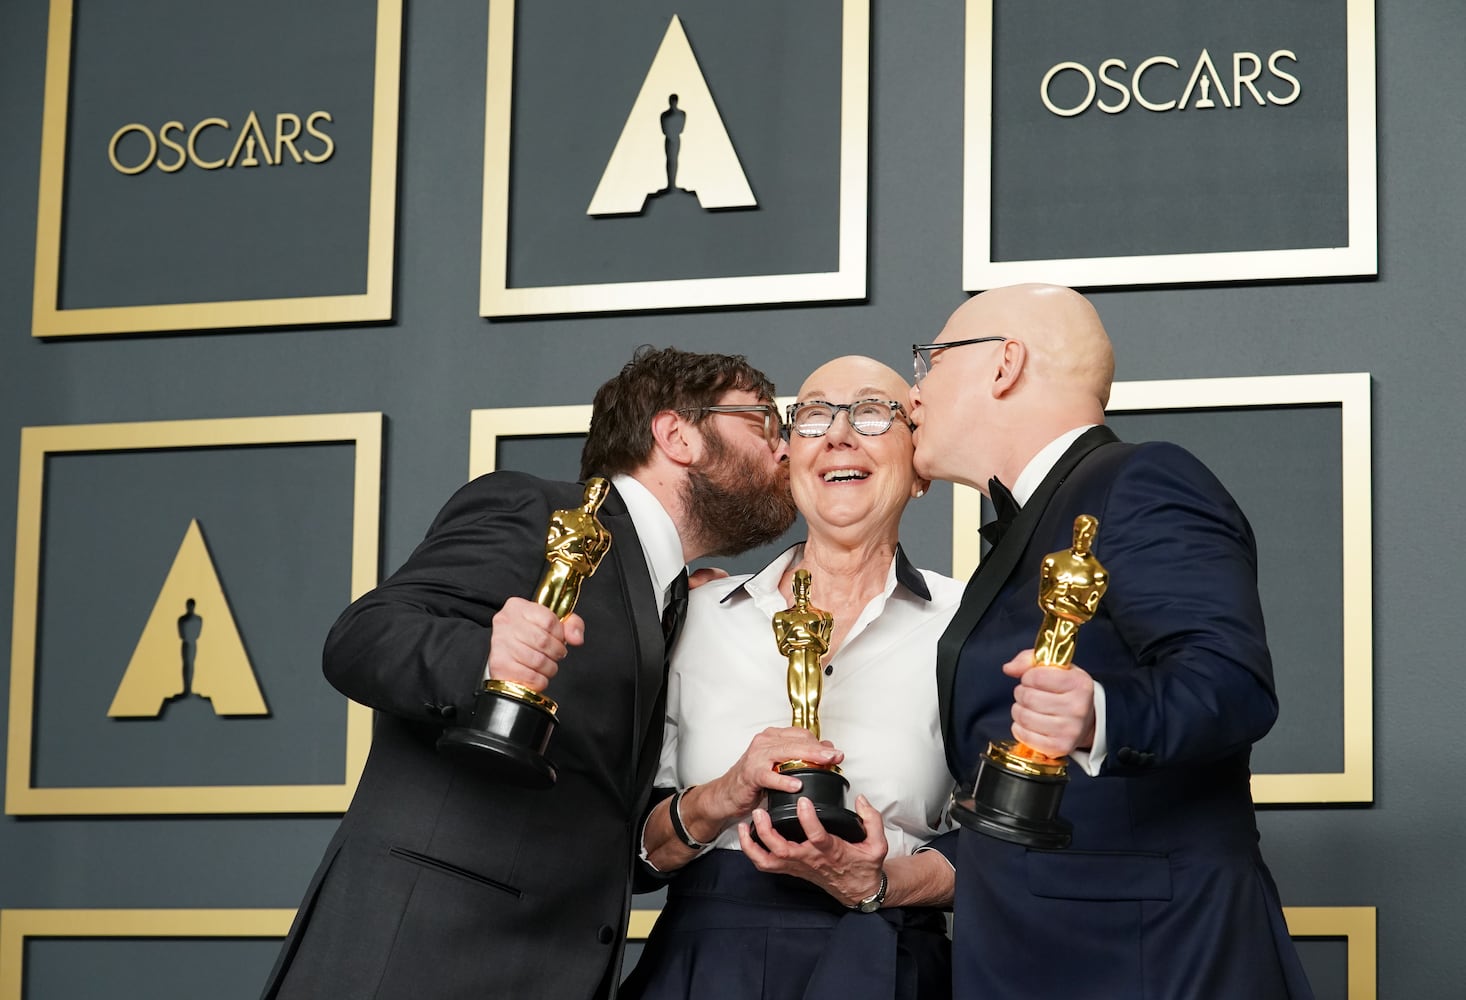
190	645
673	141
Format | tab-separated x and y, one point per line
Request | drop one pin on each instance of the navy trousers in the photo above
731	932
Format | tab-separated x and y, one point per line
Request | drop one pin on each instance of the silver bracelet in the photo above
674	813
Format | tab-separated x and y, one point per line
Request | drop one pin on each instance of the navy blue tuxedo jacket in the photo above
1163	893
441	882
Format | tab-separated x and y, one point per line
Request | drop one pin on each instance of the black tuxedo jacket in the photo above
440	882
1163	893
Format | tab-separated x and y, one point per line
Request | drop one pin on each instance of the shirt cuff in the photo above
1092	760
925	848
641	851
641	846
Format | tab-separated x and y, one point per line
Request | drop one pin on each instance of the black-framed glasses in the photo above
812	418
921	354
773	427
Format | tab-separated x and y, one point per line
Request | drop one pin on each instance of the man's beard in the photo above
736	502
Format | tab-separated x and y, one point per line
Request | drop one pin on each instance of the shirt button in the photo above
605	935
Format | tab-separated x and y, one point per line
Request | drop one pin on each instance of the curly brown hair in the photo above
620	438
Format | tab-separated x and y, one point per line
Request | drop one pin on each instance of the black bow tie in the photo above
676	611
1006	509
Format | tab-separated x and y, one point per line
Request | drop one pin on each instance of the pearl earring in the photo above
920	494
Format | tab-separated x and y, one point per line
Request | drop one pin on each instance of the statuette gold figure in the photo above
1017	789
512	724
803	633
1070	585
575	543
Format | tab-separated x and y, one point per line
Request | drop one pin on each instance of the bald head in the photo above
1031	362
1068	351
867	374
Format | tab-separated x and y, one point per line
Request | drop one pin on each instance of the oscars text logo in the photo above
136	147
190	645
1156	84
673	141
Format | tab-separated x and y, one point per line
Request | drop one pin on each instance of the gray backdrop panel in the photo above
1182	181
263	232
277	522
162	969
774	71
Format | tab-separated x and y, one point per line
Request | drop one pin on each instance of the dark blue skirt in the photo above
731	932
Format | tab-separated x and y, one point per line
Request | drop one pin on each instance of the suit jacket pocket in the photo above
1094	875
447	868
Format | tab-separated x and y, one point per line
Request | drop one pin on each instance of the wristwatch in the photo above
873	902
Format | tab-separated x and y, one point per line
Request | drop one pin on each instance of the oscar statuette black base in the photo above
1015	806
826	789
506	738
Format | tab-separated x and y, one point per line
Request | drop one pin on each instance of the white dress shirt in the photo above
879	700
660	543
1038	467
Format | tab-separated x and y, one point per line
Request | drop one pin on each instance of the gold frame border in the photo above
1355	784
486	427
848	282
17	925
1357	925
638	928
48	320
1360	257
21	798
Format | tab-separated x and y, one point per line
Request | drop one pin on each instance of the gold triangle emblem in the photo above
674	139
190	645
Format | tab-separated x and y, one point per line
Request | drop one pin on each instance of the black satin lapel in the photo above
645	619
645	623
994	571
1005	556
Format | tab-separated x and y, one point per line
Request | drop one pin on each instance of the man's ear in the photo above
676	437
1011	359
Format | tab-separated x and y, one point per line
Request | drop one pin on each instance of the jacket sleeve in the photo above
416	646
1183	598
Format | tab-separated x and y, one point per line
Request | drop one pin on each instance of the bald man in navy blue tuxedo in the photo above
1163	892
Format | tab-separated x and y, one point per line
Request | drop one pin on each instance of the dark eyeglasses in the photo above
922	353
773	427
871	417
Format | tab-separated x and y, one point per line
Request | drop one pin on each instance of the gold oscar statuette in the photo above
802	633
512	724
1017	789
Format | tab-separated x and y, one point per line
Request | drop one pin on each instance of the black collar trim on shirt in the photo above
906	574
742	588
909	576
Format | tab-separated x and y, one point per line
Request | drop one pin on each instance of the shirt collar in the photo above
765	583
910	577
1040	465
660	542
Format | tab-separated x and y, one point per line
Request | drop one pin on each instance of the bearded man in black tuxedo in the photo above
442	882
1163	892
